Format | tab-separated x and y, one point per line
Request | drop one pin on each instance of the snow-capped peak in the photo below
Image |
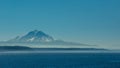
34	36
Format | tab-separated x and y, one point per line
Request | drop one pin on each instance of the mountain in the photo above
33	36
39	38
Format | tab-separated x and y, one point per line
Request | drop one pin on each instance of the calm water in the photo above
60	60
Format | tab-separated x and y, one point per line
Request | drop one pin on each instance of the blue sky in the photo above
87	21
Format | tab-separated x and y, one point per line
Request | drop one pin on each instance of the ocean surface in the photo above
59	60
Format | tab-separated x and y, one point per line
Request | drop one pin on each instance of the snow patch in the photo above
32	39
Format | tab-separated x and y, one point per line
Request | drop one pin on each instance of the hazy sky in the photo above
87	21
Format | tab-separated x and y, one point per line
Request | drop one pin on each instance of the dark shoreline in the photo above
25	48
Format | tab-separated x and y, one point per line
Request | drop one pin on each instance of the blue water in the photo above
60	60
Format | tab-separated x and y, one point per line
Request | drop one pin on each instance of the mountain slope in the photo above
40	38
